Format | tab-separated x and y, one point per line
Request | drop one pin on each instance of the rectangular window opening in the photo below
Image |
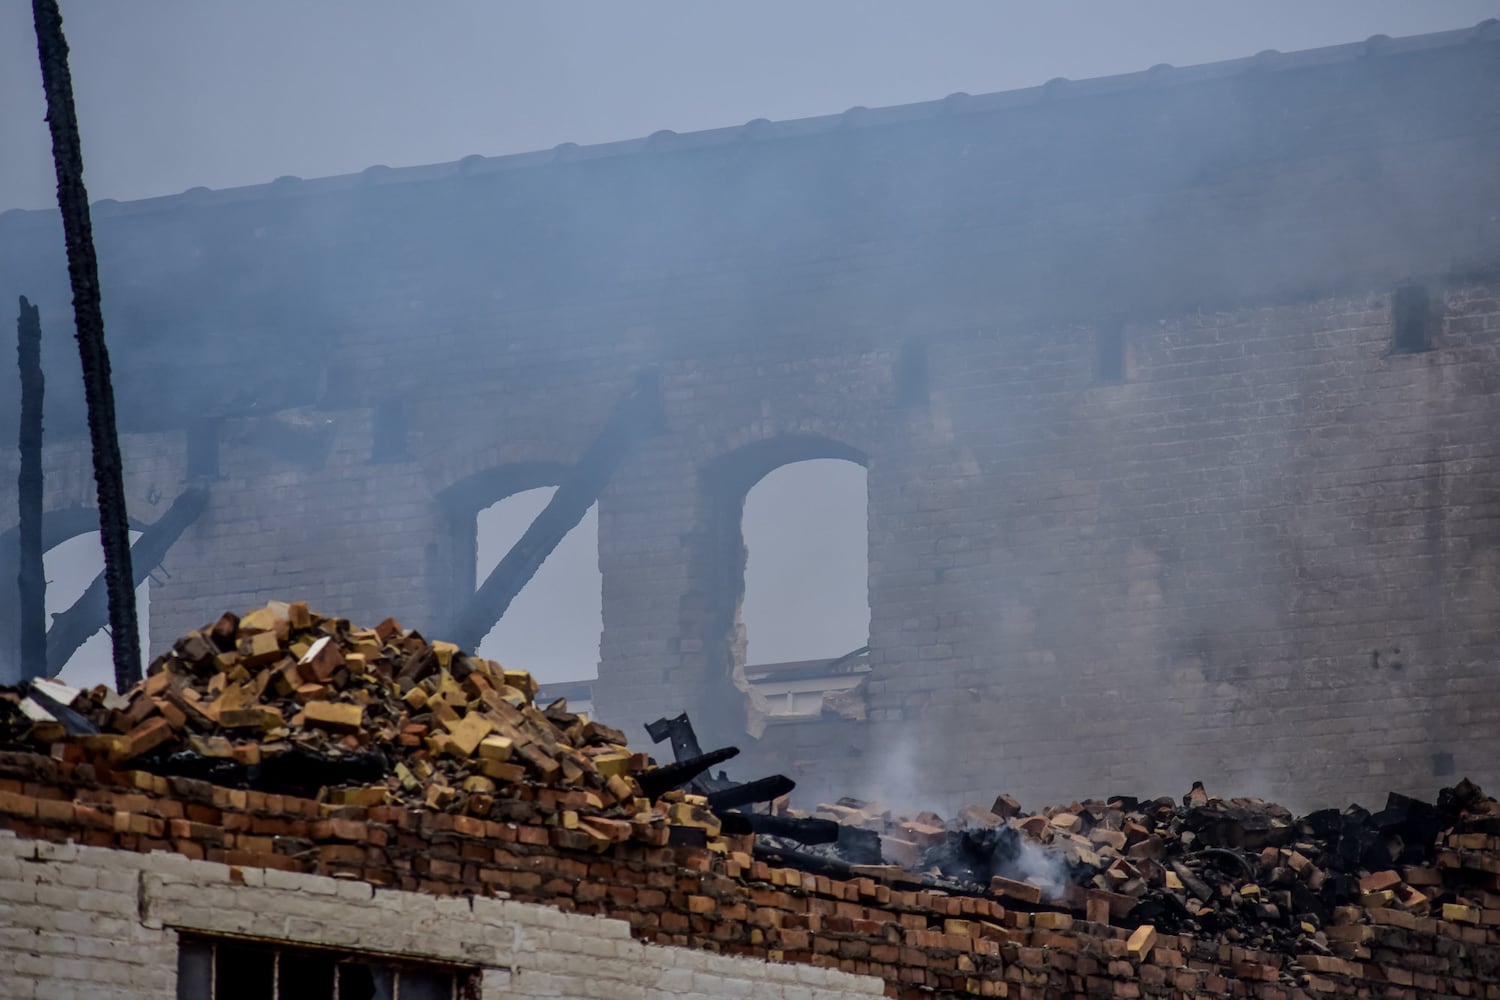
1109	354
234	969
1411	320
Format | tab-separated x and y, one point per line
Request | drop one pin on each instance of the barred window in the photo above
233	969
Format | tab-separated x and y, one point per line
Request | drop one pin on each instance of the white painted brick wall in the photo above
86	922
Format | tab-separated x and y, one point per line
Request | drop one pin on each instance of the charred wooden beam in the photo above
804	831
669	776
816	864
735	824
685	746
72	628
632	418
759	790
83	275
298	771
31	580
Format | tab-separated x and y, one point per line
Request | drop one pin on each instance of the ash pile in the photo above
1237	869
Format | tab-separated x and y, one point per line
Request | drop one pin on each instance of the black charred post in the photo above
804	831
814	864
751	792
298	771
71	628
83	273
687	836
632	417
679	729
860	847
31	579
685	746
735	824
976	855
656	782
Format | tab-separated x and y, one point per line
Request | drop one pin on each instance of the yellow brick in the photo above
1141	942
372	795
1460	914
495	747
260	648
521	681
612	764
258	717
501	770
443	713
260	620
464	737
333	716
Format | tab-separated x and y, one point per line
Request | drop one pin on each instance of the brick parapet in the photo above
919	942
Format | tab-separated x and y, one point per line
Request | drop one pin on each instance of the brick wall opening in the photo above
70	566
808	527
806	569
552	628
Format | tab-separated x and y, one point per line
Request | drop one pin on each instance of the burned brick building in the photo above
1176	393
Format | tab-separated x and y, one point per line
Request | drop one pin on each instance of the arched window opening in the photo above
552	627
806	597
70	567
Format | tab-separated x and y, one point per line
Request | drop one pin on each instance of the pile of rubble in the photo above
287	701
1243	870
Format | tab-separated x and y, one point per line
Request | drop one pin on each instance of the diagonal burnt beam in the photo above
71	628
57	527
633	417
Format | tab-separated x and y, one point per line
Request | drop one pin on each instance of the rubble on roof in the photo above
286	701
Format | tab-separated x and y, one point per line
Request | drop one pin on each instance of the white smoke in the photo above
1040	866
895	780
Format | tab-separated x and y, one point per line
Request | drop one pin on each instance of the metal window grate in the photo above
235	969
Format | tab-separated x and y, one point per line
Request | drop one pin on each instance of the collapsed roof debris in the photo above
287	701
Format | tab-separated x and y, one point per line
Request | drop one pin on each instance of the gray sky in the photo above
178	93
174	94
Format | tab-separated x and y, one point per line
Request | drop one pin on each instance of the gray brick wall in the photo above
1265	559
81	922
